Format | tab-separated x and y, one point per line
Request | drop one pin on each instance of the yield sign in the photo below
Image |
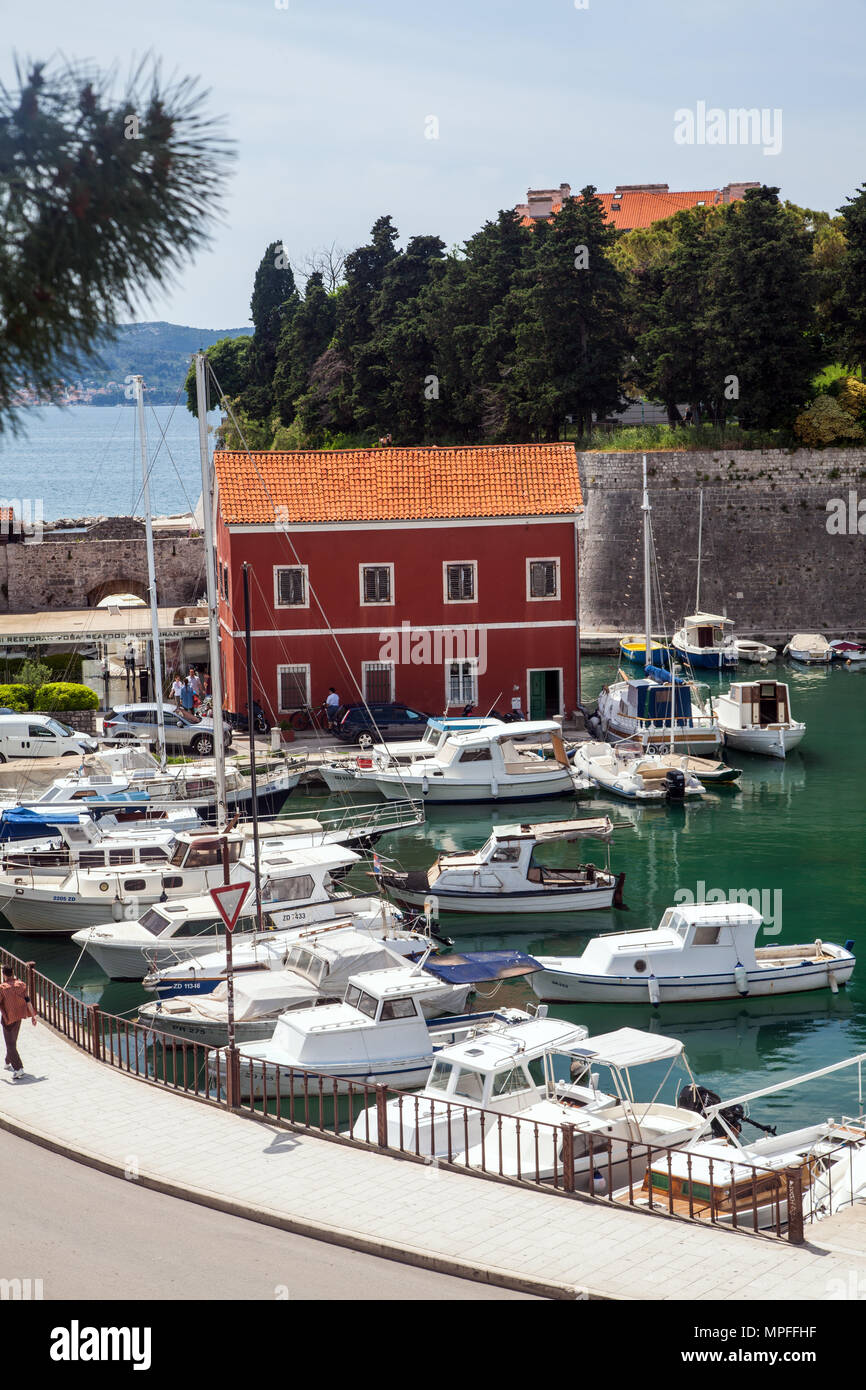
229	899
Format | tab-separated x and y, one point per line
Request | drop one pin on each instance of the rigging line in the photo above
152	462
101	464
351	675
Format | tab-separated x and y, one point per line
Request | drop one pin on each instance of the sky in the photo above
330	104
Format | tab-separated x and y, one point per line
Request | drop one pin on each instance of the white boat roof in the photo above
271	828
385	983
490	1049
708	618
519	729
338	855
719	914
600	826
628	1047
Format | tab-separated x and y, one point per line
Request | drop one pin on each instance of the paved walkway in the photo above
387	1206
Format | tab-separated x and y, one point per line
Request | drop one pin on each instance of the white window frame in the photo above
446	565
306	573
472	662
369	665
543	560
295	667
379	602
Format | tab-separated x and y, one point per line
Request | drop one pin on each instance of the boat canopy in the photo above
809	642
628	1047
258	995
701	618
518	729
22	823
663	675
646	699
599	827
481	965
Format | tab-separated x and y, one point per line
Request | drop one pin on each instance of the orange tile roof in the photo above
390	484
641	209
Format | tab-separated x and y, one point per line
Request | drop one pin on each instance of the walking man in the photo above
15	1006
332	705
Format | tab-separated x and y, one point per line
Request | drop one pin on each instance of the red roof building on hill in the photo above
631	205
433	577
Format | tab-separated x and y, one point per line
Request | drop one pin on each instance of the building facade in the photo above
631	205
435	577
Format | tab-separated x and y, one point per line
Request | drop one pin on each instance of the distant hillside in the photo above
159	352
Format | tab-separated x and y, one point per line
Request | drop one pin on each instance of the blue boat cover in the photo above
474	966
22	823
660	673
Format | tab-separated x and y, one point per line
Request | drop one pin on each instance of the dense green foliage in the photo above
100	199
15	697
538	332
60	695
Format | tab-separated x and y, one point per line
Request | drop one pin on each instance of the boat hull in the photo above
560	986
707	659
444	791
547	900
772	743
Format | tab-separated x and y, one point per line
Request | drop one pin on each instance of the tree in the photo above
302	342
230	359
328	262
273	304
100	198
851	306
761	347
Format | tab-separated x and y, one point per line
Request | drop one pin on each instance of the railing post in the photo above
30	981
568	1157
93	1026
233	1079
794	1193
382	1116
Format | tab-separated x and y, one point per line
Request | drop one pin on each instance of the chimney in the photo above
733	192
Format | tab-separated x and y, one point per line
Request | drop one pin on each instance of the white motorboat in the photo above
500	1072
702	952
379	1035
86	844
643	777
809	648
63	903
506	762
755	716
852	653
749	650
720	1178
506	874
707	640
298	888
311	968
353	773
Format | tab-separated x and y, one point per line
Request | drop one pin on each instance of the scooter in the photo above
241	722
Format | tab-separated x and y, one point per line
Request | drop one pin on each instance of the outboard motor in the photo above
675	782
700	1098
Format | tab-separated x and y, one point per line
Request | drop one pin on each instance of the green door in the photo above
536	695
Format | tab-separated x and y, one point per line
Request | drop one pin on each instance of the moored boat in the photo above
642	777
755	716
706	640
809	648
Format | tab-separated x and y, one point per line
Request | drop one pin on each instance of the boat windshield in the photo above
362	1001
470	1084
510	1080
154	921
439	1076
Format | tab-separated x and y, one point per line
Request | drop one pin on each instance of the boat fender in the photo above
425	785
654	991
599	1185
741	979
832	982
494	787
117	910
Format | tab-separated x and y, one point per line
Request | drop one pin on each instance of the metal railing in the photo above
462	1137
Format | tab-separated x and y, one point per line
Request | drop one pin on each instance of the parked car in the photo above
32	735
391	721
183	731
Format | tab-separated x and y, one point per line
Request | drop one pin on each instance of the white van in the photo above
41	736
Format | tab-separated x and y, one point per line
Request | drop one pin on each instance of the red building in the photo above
432	576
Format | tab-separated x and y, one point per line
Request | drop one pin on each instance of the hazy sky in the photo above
329	103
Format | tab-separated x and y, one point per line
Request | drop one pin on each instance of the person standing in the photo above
129	663
177	689
15	1006
332	704
187	698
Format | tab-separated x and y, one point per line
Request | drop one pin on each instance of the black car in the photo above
391	721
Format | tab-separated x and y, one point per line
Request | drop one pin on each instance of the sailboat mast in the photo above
216	684
645	508
138	383
700	538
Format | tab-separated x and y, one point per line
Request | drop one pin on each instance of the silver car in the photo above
184	731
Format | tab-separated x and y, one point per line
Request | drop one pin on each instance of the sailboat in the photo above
661	711
705	639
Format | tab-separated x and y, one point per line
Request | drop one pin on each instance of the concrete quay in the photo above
514	1238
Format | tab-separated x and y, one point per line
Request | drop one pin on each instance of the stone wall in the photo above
78	570
769	561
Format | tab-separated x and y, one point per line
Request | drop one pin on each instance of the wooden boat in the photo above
755	716
809	648
749	650
634	649
707	640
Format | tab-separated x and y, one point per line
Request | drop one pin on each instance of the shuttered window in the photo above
292	587
294	684
376	583
543	578
378	678
461	583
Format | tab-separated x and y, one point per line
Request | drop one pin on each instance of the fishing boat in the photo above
809	648
854	653
755	716
506	762
701	952
297	888
642	777
309	968
81	842
749	650
507	874
378	1035
499	1072
352	773
706	640
62	903
721	1178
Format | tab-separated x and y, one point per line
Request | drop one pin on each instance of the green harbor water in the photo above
792	831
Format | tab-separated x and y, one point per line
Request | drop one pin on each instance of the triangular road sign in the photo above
229	899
